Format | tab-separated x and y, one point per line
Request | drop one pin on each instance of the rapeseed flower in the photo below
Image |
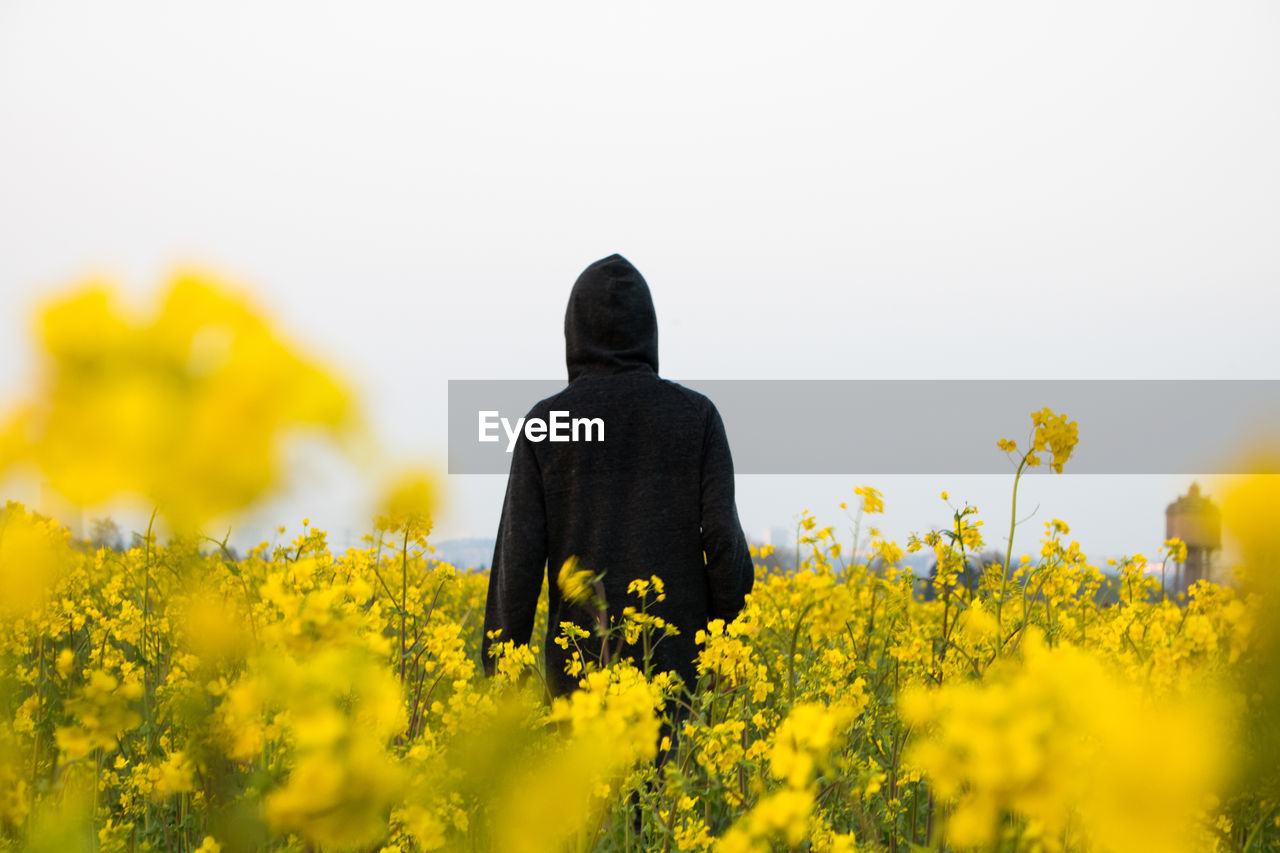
186	408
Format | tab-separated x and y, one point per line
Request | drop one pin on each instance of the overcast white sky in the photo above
874	190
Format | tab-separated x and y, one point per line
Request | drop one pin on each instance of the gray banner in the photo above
934	426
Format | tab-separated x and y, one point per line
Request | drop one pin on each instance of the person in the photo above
654	497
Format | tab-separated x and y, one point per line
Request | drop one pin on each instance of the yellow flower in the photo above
66	662
872	501
409	503
888	552
211	624
186	409
171	776
804	741
1058	737
783	814
34	555
1176	549
575	584
1053	432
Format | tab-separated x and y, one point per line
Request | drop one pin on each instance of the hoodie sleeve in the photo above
519	555
729	569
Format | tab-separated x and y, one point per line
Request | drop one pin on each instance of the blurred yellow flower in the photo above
34	553
872	500
103	710
1057	735
575	584
1176	549
408	504
186	409
174	775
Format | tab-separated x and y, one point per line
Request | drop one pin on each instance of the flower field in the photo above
176	695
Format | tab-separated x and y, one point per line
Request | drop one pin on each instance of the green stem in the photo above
1257	828
791	657
1008	554
404	596
39	729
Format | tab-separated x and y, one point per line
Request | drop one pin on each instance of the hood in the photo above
610	325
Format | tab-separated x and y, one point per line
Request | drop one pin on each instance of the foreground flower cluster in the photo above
172	697
177	695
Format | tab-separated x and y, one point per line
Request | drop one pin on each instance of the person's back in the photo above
649	499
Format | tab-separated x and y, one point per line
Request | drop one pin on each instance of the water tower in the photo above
1197	521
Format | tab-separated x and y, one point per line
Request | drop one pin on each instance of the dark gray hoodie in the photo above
654	498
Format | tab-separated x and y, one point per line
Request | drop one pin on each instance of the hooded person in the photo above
654	497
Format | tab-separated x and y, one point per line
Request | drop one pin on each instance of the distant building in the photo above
472	554
1197	521
780	537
